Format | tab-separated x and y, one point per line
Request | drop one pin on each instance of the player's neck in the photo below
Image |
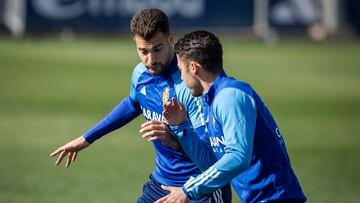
207	80
171	58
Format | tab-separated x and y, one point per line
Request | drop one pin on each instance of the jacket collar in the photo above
210	95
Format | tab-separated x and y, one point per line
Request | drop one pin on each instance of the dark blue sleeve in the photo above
123	113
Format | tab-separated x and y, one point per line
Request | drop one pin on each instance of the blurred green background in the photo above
52	91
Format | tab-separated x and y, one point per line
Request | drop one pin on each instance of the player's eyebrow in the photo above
157	46
144	49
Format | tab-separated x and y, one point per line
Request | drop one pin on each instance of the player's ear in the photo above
194	67
134	37
171	38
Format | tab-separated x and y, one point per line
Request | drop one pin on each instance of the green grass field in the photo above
53	91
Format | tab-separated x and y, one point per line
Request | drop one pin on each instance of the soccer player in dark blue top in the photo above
247	146
153	82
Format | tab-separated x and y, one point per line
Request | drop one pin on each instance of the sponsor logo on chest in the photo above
150	108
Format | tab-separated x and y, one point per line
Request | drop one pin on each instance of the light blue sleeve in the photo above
138	71
194	144
236	111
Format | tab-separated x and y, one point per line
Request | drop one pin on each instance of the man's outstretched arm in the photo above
123	113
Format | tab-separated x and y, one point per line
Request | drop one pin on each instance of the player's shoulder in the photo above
233	103
231	82
225	93
139	70
229	87
240	93
230	92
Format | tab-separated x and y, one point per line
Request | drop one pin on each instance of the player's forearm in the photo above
218	175
239	139
235	160
195	147
123	113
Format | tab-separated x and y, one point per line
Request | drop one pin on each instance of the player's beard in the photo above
196	88
197	91
156	68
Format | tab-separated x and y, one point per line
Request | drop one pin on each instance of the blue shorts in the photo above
152	191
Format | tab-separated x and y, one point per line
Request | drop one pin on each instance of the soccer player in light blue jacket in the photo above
244	146
154	81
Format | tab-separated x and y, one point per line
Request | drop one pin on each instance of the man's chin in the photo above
154	71
157	70
196	94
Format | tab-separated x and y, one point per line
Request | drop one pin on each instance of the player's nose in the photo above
152	58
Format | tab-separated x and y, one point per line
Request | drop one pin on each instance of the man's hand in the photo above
71	150
174	113
157	130
176	195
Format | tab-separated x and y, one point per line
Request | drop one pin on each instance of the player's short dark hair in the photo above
146	23
203	47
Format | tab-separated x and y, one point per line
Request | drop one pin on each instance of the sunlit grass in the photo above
51	92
